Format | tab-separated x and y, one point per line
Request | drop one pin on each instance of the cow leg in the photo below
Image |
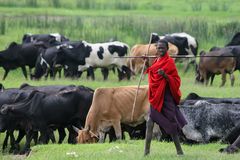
233	147
26	149
5	74
72	136
5	142
176	141
232	79
12	142
51	135
212	78
35	137
102	137
127	71
186	65
21	134
149	131
105	73
62	134
223	78
237	142
24	72
120	75
90	73
117	129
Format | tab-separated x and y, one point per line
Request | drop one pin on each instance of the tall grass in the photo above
129	29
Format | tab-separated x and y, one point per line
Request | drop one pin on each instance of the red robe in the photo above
157	83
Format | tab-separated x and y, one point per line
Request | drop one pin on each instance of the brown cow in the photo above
209	66
111	107
136	64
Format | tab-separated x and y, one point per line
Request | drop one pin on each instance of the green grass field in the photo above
213	23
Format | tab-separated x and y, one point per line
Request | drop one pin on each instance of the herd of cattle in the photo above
50	53
90	115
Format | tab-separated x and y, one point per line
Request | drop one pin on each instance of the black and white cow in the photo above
20	55
88	56
186	44
207	122
51	39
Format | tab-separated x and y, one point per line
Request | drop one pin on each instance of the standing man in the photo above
164	96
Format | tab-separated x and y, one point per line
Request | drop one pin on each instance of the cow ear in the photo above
12	45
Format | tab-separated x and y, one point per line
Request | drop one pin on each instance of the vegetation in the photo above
212	23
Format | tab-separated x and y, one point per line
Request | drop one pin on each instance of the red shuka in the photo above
157	83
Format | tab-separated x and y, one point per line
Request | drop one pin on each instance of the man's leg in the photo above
148	138
176	141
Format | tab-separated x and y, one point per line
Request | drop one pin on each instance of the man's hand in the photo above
161	72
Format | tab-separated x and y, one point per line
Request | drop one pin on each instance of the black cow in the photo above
186	44
20	55
192	98
233	137
52	39
208	122
235	40
41	110
89	56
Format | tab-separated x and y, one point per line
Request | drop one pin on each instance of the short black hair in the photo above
163	41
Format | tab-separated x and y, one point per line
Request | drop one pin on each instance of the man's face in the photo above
162	49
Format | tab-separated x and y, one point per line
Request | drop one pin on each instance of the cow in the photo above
220	64
111	107
136	64
235	40
20	55
193	98
208	122
51	39
233	137
41	110
186	44
45	63
88	56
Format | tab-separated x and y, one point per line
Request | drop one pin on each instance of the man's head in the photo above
162	47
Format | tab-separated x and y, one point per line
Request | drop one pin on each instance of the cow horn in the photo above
76	129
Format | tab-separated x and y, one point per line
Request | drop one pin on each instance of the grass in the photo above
128	149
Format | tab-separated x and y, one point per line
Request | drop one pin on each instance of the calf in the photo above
111	107
209	66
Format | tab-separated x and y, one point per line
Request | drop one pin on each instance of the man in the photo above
164	96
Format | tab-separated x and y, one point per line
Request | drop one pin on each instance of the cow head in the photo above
27	38
154	37
86	135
